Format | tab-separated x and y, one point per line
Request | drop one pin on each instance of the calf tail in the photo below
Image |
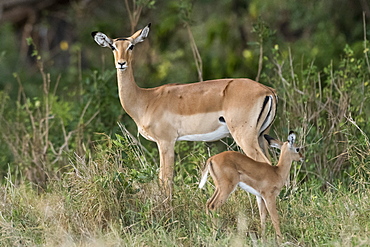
204	174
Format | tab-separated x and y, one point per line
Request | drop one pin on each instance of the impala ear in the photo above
102	39
272	142
141	35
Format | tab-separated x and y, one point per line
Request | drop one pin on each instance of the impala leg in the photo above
271	207
245	129
250	145
263	212
262	142
166	169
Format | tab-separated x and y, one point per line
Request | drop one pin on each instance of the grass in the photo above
98	203
334	218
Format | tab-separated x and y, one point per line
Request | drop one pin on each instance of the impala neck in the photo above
284	164
129	93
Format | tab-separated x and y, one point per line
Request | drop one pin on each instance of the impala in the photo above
202	111
230	168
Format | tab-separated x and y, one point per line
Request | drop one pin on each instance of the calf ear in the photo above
291	138
102	39
273	142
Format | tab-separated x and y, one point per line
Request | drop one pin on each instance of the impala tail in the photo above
267	114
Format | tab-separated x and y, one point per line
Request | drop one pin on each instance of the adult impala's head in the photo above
288	148
121	47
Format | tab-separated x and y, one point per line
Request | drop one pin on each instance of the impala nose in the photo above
121	65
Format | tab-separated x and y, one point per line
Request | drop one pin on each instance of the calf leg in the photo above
271	207
263	212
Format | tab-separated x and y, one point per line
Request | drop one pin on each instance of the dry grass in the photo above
95	204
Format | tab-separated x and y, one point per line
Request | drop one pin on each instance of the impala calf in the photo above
229	169
202	111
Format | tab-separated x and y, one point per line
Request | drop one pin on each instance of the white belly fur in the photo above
218	134
249	189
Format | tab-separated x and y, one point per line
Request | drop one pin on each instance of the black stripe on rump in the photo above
263	107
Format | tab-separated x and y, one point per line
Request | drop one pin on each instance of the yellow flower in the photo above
64	45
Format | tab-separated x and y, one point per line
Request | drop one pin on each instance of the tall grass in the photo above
328	109
40	131
104	201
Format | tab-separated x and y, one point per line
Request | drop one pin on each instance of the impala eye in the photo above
297	150
131	47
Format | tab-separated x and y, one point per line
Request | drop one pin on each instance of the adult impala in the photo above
230	169
203	111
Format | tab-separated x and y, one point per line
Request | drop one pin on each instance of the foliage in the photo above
70	175
326	108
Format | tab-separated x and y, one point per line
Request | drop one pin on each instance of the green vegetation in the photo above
73	175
